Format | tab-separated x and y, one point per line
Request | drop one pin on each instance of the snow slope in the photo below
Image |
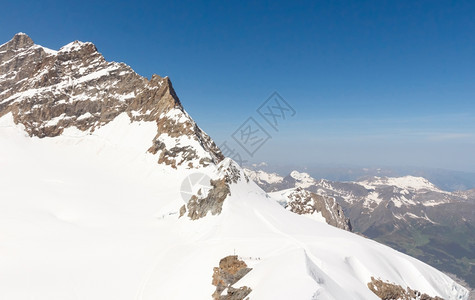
282	197
93	216
261	176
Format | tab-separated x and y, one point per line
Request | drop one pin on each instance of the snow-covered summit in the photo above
410	183
75	46
304	180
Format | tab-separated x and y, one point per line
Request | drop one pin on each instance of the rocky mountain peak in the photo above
49	91
77	49
19	41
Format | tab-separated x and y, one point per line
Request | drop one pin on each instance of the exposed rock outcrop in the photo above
48	91
303	202
199	207
391	291
212	201
231	269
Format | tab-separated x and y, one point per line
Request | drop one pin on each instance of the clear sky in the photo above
372	82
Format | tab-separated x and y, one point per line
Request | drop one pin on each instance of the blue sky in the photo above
372	82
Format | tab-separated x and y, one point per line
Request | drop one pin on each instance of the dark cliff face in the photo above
48	91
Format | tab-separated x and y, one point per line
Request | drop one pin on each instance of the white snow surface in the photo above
73	46
93	216
283	197
262	176
411	183
304	180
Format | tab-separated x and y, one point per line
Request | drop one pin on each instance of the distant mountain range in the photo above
408	213
447	180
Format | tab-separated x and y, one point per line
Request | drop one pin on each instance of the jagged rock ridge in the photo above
231	269
391	291
48	91
304	202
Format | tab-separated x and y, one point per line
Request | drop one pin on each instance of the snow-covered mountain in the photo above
295	198
264	178
50	91
408	213
303	202
93	161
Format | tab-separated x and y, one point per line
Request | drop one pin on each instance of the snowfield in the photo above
410	183
93	216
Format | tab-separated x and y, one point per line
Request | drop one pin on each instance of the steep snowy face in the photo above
78	209
48	91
